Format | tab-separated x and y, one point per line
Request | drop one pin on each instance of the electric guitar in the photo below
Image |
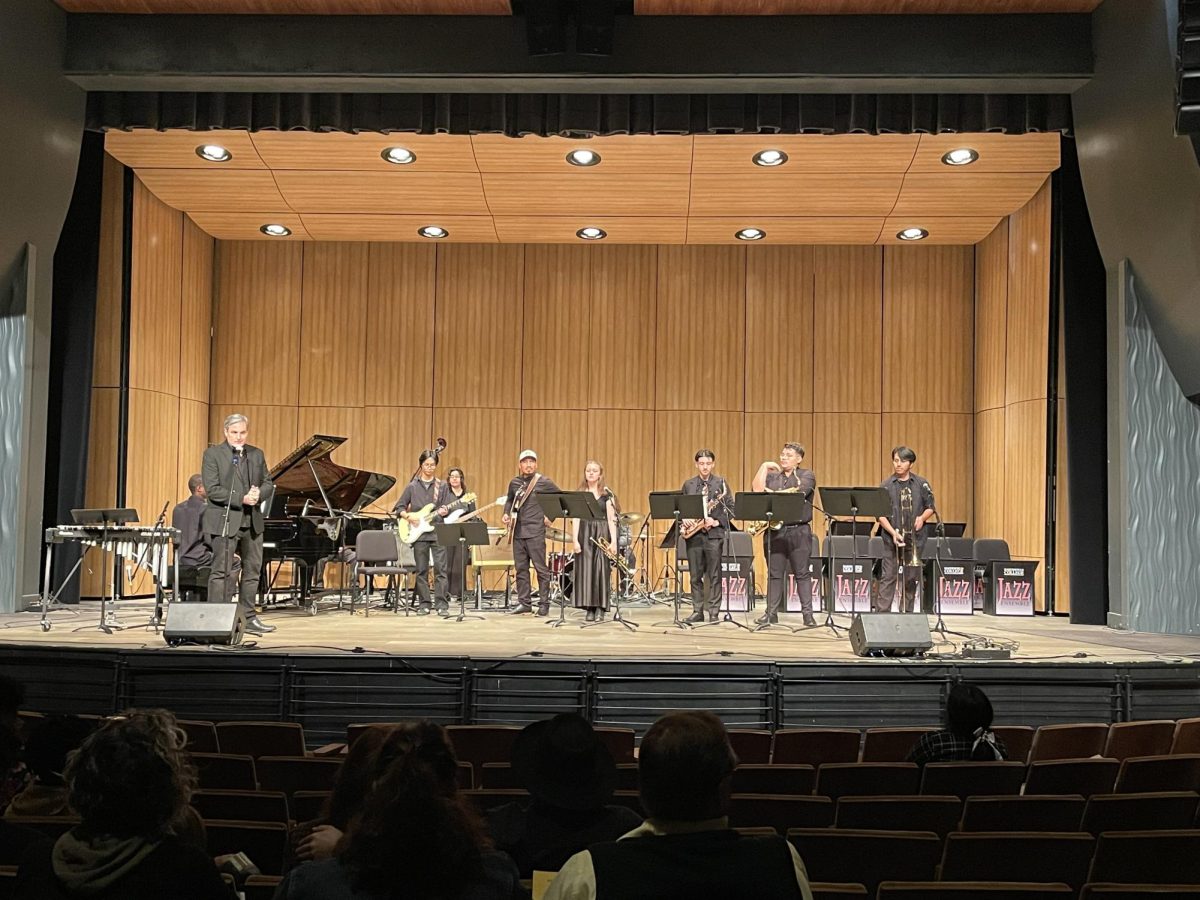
460	515
410	531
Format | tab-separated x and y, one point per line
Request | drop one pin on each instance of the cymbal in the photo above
557	534
631	518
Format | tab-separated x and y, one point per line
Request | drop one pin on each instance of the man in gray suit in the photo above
238	486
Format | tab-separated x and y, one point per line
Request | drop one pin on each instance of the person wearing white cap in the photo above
525	521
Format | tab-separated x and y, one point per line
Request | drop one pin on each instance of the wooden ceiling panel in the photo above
244	226
773	193
809	230
214	190
591	193
297	7
621	229
400	193
729	153
964	193
997	152
336	150
145	148
942	229
624	153
854	7
349	227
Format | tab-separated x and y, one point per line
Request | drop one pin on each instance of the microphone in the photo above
239	454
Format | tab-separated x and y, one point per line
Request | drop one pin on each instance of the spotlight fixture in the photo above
398	156
750	234
275	230
591	233
433	231
912	234
960	156
770	158
213	153
583	157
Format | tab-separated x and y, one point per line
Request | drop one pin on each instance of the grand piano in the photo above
317	507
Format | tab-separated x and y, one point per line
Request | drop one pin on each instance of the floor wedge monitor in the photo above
203	623
890	634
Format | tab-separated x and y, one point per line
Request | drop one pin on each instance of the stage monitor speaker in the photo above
890	634
204	623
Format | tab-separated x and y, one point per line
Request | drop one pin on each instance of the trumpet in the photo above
757	528
613	557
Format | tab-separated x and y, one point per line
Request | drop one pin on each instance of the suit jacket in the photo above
217	470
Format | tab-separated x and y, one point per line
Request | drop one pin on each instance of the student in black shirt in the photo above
791	544
705	546
424	490
456	480
912	507
524	517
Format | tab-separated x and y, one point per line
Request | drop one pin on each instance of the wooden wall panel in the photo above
195	320
479	309
940	441
106	359
400	315
700	339
779	329
271	428
485	443
256	323
846	449
989	506
557	291
1026	361
928	329
766	433
624	292
623	442
392	440
333	322
679	434
559	437
1025	477
991	317
155	294
153	468
847	329
101	490
340	421
193	439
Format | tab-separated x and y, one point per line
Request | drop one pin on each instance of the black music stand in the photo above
852	502
463	535
676	506
106	518
567	505
770	507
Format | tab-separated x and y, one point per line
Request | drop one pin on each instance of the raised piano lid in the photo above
349	490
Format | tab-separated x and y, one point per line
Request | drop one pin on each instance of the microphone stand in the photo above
239	456
156	619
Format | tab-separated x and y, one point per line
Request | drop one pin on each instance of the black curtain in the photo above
585	115
72	337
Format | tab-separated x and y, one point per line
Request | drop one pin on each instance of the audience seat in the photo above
1017	740
261	738
619	742
629	799
1140	812
225	772
261	887
1187	736
265	843
1045	812
52	827
355	730
966	779
816	746
485	799
824	890
296	773
868	779
479	744
201	736
499	776
1046	857
774	779
1068	741
1072	776
308	806
1151	737
627	776
752	745
891	744
1147	857
922	813
970	890
780	812
1140	892
8	881
1145	774
242	806
866	857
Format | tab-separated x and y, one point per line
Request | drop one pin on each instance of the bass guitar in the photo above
460	515
410	526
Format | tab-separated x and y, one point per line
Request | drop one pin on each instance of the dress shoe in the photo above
543	609
694	618
442	610
520	609
591	615
255	625
767	619
809	620
423	610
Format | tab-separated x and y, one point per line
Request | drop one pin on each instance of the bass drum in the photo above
563	565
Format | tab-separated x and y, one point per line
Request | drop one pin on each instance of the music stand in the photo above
676	506
567	505
106	518
472	533
769	507
852	502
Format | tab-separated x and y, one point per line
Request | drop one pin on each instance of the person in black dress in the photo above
456	480
593	575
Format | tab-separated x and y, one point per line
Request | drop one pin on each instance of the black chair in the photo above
378	553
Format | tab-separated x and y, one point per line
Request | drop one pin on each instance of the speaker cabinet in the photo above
204	623
890	634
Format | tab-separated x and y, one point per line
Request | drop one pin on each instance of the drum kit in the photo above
563	564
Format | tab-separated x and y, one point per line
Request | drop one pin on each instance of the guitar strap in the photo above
525	496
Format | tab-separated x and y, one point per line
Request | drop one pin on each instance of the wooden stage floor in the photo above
333	631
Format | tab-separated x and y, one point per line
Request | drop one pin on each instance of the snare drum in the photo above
563	565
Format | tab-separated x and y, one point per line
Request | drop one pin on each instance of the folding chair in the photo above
1187	736
1148	738
1140	775
1068	741
379	553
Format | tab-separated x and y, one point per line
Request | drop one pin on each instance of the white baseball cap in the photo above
526	454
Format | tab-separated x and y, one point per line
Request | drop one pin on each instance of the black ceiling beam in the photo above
947	54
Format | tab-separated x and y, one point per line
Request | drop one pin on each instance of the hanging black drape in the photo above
585	115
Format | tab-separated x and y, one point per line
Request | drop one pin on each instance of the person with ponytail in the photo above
968	732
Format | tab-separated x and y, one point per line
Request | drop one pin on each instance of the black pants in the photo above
221	582
454	570
889	575
526	551
704	566
425	553
791	547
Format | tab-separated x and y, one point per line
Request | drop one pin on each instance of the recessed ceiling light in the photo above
433	231
591	233
583	157
912	234
400	156
275	230
960	156
213	153
750	234
769	158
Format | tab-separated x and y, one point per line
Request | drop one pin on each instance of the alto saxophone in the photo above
698	525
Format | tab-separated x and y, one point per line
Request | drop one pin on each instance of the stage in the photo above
333	668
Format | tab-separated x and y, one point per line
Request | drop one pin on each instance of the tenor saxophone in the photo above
756	528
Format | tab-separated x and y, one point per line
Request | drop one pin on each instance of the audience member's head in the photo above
50	743
12	698
562	763
356	775
685	766
416	836
131	777
968	710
